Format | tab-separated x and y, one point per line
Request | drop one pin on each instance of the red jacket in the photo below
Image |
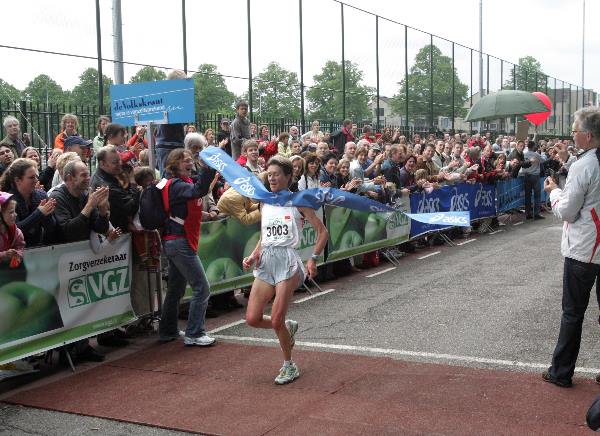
270	150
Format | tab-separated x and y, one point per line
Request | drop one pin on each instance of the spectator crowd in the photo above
55	197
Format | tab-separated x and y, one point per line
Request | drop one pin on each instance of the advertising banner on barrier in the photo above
353	232
510	194
224	243
477	198
63	293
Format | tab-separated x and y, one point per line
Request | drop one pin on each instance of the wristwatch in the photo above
314	257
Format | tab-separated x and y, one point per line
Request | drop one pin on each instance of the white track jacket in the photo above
578	205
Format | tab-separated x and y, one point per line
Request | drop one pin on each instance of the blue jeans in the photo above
184	268
532	182
578	280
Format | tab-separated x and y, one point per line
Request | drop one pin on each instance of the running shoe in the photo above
200	341
292	327
287	374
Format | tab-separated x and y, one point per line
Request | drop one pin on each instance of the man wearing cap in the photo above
240	129
224	133
79	145
124	202
12	140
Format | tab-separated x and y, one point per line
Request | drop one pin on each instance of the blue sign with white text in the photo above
478	199
150	101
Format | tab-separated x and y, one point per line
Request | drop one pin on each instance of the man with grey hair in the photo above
578	205
12	127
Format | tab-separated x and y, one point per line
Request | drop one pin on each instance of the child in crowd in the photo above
145	242
12	241
250	152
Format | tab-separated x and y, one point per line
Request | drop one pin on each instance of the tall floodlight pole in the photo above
583	52
480	48
118	41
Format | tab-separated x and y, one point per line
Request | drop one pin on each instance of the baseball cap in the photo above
312	146
225	120
375	147
77	140
4	197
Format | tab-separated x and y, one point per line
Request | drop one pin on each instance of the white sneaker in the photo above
201	341
287	374
292	327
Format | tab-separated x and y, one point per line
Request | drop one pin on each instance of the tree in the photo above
526	76
43	87
276	93
86	92
211	91
325	97
9	92
148	74
419	87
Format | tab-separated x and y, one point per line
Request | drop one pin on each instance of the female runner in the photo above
278	269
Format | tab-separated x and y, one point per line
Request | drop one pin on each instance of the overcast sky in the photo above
549	30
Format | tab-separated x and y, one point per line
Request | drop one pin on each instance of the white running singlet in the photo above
280	226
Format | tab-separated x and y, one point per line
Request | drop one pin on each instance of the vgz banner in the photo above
352	232
63	293
478	199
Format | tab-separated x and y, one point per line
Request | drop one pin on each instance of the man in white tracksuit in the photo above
578	205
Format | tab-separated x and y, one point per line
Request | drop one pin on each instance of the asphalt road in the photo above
493	302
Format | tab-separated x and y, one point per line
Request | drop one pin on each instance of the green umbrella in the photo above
505	104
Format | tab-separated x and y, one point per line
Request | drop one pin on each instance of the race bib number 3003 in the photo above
278	229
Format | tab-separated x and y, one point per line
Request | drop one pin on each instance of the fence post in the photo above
343	67
184	35
23	115
99	49
453	85
249	62
406	78
302	120
431	81
377	68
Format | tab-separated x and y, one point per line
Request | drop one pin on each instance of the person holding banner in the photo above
278	269
180	239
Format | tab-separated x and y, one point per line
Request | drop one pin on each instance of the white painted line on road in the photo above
380	272
226	326
497	231
429	255
406	353
519	223
310	297
467	241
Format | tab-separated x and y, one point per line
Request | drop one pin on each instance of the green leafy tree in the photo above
325	97
86	92
276	93
9	92
148	74
42	87
526	76
419	87
211	91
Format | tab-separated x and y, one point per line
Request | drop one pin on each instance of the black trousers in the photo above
578	281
